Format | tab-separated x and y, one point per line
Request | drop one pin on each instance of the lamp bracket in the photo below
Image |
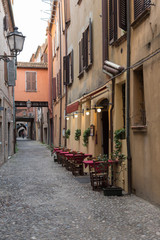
6	58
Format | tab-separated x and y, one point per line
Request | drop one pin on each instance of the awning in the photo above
73	107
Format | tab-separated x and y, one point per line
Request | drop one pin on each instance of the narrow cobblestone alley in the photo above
40	200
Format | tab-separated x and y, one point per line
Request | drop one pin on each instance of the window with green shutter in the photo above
31	81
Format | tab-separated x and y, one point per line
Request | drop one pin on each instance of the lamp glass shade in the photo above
76	115
15	41
99	110
87	113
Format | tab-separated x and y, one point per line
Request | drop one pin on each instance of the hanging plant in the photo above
67	133
86	134
77	134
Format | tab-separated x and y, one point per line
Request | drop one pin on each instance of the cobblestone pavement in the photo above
40	200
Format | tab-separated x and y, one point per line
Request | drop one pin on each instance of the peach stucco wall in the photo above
42	85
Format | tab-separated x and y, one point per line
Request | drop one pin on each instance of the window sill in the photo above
141	18
120	40
31	91
88	67
139	128
81	74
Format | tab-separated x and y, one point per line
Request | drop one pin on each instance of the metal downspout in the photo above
66	93
111	122
60	118
129	159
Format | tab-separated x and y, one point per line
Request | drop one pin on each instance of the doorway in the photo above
105	132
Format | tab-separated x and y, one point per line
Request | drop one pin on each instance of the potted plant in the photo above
67	133
86	134
77	134
118	156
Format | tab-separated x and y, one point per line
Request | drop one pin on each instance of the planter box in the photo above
112	191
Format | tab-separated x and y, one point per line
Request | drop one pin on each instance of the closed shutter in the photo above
28	81
84	50
33	77
5	70
45	57
140	6
67	70
5	23
72	67
112	20
123	14
57	84
105	29
64	69
67	10
90	42
54	88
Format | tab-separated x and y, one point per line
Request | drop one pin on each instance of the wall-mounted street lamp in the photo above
15	42
29	104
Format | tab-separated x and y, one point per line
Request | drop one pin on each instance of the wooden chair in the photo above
99	175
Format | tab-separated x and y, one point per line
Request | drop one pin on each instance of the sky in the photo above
28	16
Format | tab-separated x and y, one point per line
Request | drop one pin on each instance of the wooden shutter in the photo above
140	6
5	70
105	29
45	57
123	14
64	69
54	88
90	42
67	10
33	77
72	67
5	23
112	20
80	53
86	42
67	70
84	50
58	84
11	73
28	81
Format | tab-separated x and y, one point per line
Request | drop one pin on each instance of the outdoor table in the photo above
63	157
75	162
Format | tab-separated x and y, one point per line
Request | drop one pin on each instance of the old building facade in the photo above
6	91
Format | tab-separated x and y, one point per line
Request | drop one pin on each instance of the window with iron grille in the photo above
140	6
31	81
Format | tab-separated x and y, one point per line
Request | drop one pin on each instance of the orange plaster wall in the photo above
42	86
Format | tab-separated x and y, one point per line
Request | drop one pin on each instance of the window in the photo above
5	70
140	6
79	2
68	75
57	34
54	88
67	12
139	115
85	49
117	26
58	84
31	81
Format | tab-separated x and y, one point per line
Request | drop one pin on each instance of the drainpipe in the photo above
66	93
111	113
129	159
111	122
60	118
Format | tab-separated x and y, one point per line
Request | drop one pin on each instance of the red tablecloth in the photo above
91	162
